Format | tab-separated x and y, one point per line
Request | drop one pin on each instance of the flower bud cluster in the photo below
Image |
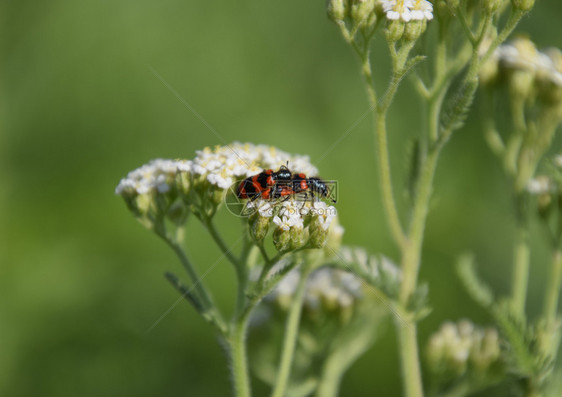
296	224
338	319
405	17
523	5
360	13
151	190
530	73
464	349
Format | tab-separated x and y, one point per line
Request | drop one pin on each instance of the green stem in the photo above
242	276
411	374
220	242
521	270
411	253
290	338
331	379
238	358
384	162
386	181
552	294
190	269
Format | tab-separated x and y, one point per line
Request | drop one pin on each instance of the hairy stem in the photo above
382	144
200	289
412	252
411	374
238	359
386	181
208	223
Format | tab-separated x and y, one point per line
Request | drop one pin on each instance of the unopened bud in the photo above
281	239
362	11
337	10
394	30
298	237
259	226
492	6
318	235
523	5
414	29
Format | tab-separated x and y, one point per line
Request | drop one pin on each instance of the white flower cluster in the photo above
224	165
289	216
522	54
407	10
221	167
263	207
156	176
325	287
455	346
298	224
323	213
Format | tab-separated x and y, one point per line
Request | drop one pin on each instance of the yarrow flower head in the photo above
208	175
224	165
407	10
172	189
152	190
156	176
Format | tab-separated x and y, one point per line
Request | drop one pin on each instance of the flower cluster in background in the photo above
327	289
338	323
521	60
530	81
463	348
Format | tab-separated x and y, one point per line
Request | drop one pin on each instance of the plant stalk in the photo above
552	294
239	362
290	337
521	271
411	374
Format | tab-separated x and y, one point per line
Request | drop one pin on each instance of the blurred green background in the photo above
81	281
